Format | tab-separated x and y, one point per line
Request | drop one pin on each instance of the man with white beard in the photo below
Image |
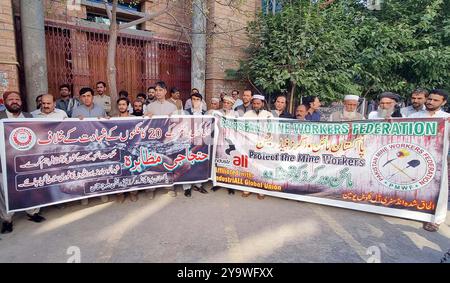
387	107
349	112
227	109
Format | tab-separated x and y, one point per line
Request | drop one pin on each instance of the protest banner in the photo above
46	162
396	167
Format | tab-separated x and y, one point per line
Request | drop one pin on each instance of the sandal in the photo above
133	197
120	198
199	189
431	227
261	196
246	194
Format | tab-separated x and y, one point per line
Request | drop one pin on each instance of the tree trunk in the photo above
34	55
111	59
291	98
198	57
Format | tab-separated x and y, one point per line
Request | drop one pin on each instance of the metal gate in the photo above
77	56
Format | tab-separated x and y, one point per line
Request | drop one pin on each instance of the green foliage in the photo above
346	49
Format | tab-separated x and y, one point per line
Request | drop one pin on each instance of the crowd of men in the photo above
90	103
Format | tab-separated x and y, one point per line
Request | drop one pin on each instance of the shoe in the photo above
431	227
230	191
188	193
150	194
199	189
261	196
172	193
84	201
215	188
60	206
120	198
7	227
246	194
104	198
36	217
134	197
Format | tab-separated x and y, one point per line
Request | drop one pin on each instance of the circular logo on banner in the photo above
22	138
403	166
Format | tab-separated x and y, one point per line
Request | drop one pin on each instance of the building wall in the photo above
227	43
9	78
166	26
226	38
62	11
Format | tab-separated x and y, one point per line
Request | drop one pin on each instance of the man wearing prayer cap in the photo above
387	107
227	107
258	104
227	111
215	105
349	112
228	98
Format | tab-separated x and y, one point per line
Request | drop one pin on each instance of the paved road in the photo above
217	227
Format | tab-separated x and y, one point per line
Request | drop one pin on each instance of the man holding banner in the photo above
122	106
393	167
196	101
258	111
48	109
387	108
88	109
433	106
349	112
435	101
13	104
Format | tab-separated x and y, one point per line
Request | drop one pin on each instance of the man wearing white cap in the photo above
227	111
258	102
215	105
349	112
258	111
227	107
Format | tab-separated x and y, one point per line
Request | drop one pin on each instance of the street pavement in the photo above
217	227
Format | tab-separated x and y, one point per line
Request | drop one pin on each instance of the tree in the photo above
333	48
305	47
404	46
196	36
114	30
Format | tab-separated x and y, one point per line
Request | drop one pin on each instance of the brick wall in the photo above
227	43
226	35
60	10
9	79
165	26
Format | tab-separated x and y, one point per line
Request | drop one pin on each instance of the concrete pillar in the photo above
198	53
34	52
